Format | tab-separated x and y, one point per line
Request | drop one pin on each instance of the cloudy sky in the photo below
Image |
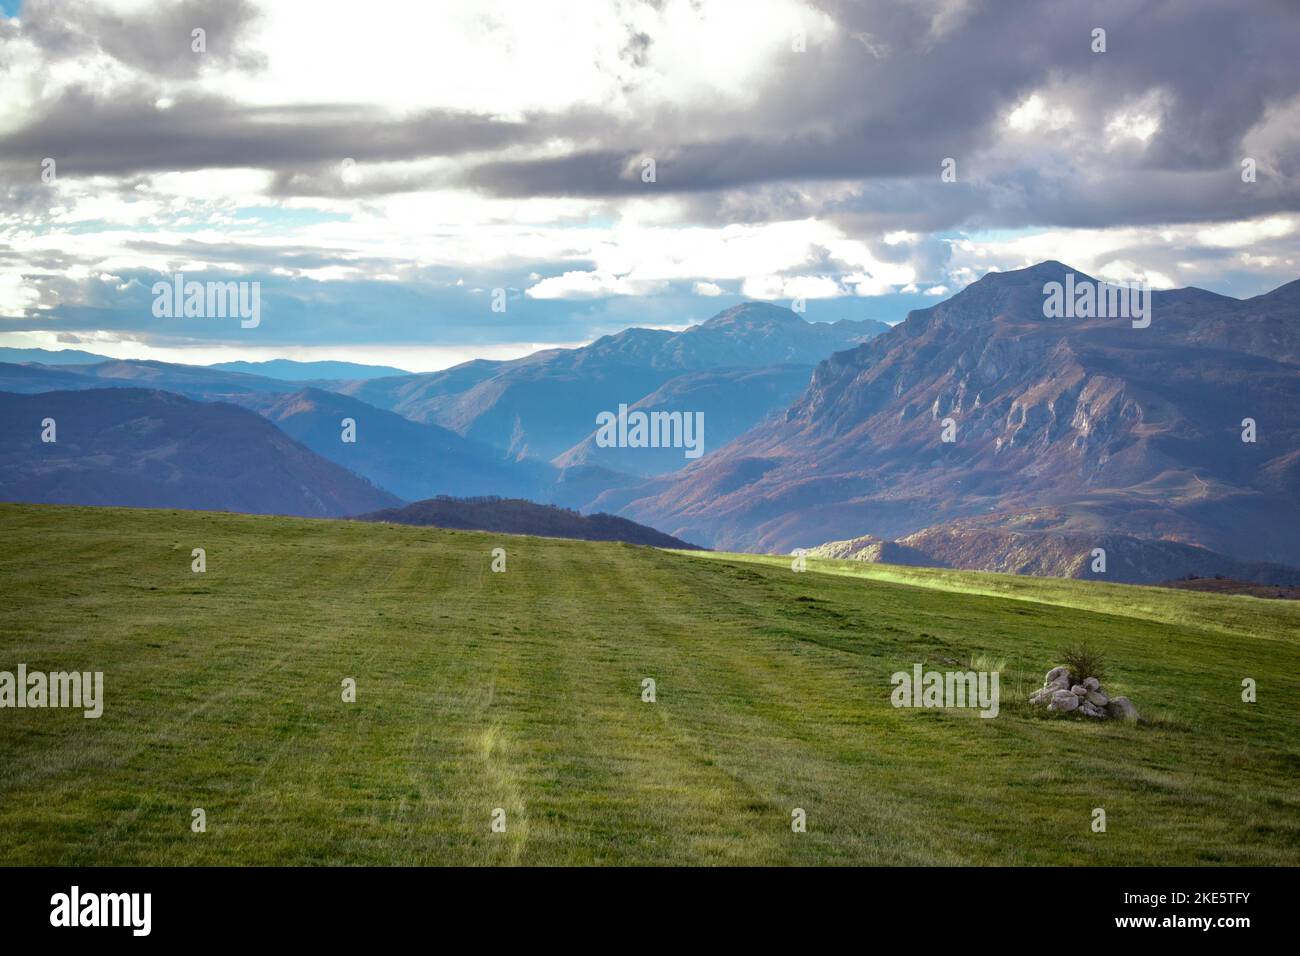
381	168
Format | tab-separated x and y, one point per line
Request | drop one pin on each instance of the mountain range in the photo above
194	381
1065	425
979	433
291	371
51	356
544	405
285	369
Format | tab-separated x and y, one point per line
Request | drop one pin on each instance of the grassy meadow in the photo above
522	691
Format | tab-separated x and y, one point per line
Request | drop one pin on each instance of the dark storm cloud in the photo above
157	40
878	103
832	112
1069	196
127	134
893	96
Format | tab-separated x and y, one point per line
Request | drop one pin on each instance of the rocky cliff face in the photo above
1102	556
876	551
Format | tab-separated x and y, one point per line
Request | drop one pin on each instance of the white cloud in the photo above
16	295
587	285
1034	114
790	287
1138	120
812	287
1237	234
574	53
763	287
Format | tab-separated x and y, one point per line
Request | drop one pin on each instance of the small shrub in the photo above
1084	662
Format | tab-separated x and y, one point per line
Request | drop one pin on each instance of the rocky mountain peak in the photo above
749	313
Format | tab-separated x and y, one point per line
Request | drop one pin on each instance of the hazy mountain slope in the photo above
153	449
51	356
194	381
581	486
422	460
732	400
417	396
410	459
755	334
523	517
1088	424
183	379
32	377
539	406
544	404
291	371
542	411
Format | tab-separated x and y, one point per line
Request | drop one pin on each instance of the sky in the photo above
381	168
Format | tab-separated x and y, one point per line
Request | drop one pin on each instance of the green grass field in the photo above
522	691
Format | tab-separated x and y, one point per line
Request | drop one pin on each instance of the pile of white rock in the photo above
1062	692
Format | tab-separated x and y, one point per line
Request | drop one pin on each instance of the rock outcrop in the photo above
1062	692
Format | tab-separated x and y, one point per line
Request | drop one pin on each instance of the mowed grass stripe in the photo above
522	690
